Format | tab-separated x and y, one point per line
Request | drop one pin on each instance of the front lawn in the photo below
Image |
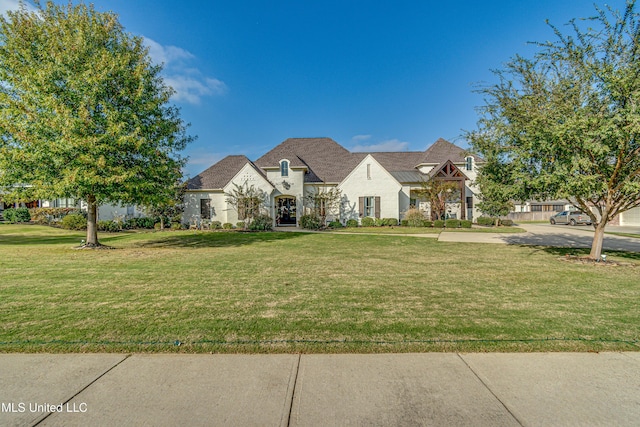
425	230
306	292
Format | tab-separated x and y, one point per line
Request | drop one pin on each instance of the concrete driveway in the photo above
561	236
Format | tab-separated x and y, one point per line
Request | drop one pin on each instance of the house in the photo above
379	185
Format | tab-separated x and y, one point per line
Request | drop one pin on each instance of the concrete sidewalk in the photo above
483	389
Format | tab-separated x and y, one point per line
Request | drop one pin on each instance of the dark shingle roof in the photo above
219	175
442	150
326	160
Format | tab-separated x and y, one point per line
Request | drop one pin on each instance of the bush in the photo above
240	224
390	222
261	223
368	221
310	222
335	224
415	218
17	215
109	226
379	222
352	222
427	223
506	222
228	225
143	222
49	215
215	225
465	223
438	223
452	223
74	222
485	220
404	223
178	226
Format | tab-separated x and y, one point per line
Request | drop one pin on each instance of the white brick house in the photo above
372	184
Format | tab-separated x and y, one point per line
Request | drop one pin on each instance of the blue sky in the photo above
372	75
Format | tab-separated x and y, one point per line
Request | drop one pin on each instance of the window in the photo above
205	208
369	206
368	171
469	202
284	168
468	163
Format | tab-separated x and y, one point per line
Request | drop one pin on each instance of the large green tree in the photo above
84	112
566	123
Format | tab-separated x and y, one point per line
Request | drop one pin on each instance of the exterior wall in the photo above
291	185
377	183
630	217
219	211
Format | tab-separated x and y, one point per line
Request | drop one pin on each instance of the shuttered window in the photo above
369	206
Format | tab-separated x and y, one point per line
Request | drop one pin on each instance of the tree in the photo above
83	111
438	193
566	123
323	201
495	192
247	200
171	208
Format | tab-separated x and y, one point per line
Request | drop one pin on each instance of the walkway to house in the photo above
478	389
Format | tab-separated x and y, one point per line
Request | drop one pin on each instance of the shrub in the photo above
240	224
17	215
74	222
177	226
465	223
415	218
368	221
427	223
485	220
216	225
404	223
352	222
261	223
379	222
390	222
143	222
109	226
438	223
49	215
506	222
310	222
335	224
228	225
452	223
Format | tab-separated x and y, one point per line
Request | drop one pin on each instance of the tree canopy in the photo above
566	123
84	112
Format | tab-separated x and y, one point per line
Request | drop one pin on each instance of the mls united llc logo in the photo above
20	407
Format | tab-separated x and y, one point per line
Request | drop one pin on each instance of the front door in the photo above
286	211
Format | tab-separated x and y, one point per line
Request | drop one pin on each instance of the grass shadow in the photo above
581	252
216	239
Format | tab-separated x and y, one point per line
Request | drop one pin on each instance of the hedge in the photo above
17	215
368	221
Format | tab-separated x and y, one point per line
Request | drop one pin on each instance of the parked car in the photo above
571	218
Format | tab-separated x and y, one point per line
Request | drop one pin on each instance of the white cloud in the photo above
359	138
189	83
389	145
6	5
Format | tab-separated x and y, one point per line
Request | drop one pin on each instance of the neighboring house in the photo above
105	211
379	185
536	210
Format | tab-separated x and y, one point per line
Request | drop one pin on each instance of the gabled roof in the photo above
219	175
326	160
442	150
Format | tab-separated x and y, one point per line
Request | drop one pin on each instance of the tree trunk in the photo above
598	237
92	222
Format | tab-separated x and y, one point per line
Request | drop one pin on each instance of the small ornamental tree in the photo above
83	112
323	201
171	207
438	193
565	124
247	200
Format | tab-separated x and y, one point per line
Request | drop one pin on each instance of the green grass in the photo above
425	230
306	292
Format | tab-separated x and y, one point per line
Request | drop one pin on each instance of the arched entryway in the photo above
286	213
